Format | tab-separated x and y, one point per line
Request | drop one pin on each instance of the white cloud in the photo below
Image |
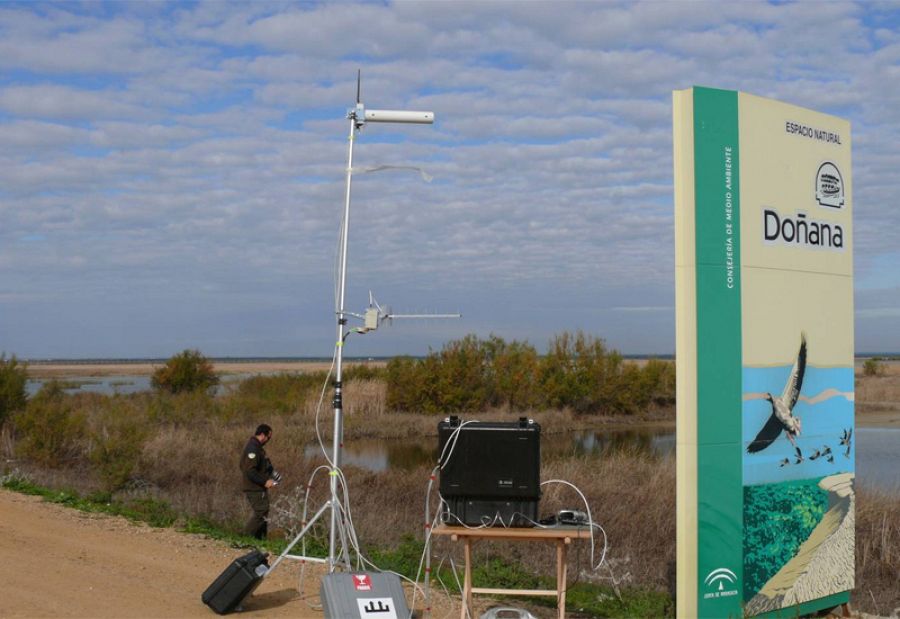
197	152
55	102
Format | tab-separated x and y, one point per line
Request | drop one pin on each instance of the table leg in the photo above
561	575
467	580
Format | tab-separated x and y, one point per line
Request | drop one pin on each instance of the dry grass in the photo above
879	393
877	552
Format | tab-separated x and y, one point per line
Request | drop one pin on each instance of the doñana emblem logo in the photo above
829	186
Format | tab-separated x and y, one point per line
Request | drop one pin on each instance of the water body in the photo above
107	385
877	451
111	385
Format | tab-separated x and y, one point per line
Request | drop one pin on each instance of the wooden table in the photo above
562	536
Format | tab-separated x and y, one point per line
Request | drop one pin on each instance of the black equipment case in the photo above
237	582
491	472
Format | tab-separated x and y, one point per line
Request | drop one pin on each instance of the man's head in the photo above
263	433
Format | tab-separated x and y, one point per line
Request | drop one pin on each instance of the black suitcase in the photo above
237	582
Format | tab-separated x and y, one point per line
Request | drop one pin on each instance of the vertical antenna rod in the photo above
358	116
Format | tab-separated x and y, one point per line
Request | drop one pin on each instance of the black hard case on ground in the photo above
491	472
234	584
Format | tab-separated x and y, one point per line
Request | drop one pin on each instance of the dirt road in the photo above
60	562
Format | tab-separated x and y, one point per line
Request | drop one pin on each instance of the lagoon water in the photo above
877	451
110	385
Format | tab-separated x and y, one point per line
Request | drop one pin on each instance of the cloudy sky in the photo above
172	175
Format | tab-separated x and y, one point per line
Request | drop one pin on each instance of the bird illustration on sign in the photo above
782	418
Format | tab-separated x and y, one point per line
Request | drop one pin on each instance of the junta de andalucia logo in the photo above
720	583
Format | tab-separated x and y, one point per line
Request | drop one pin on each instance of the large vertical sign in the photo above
764	353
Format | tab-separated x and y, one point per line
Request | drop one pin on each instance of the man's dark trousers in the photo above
258	525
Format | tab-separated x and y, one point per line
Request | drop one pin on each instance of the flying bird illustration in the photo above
847	439
782	417
816	454
799	455
784	462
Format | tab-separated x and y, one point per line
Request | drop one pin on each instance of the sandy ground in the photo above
60	562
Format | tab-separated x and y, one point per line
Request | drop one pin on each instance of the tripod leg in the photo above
342	532
299	536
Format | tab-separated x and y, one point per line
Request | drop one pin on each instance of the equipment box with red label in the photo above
363	595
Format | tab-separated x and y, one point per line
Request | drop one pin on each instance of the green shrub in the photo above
461	383
659	382
117	438
187	371
181	408
363	371
513	374
873	367
578	372
406	390
49	428
13	375
278	394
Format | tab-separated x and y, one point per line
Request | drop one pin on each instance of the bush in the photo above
461	376
873	367
12	385
405	385
117	441
277	394
50	429
514	374
362	371
181	408
187	371
578	372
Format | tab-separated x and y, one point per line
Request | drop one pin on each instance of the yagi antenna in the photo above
376	315
358	80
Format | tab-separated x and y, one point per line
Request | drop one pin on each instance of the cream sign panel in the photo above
764	298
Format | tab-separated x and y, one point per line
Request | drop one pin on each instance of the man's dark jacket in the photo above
255	467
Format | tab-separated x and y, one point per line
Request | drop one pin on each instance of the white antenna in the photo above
374	316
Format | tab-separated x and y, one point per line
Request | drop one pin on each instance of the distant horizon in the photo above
258	358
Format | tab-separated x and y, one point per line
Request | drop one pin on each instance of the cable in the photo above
591	523
319	407
444	514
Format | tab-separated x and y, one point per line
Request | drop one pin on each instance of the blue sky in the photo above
172	175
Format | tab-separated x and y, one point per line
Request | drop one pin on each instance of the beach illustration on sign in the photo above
798	474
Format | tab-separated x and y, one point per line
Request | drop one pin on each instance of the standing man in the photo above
258	476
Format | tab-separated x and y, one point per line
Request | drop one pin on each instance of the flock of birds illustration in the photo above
782	418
